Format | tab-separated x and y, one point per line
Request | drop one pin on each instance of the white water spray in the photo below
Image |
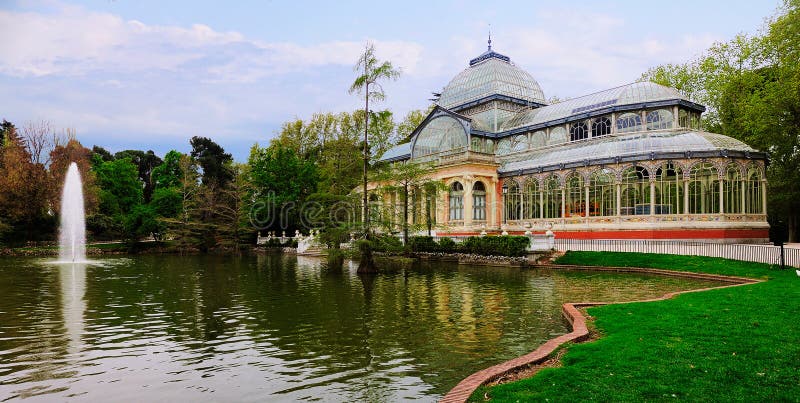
72	238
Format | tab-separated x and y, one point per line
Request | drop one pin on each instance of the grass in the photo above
733	344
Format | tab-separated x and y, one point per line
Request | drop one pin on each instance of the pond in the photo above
272	327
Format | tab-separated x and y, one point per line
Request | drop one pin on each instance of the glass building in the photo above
630	162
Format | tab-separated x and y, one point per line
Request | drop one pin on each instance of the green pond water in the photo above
276	328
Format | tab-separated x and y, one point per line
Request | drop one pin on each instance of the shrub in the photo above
387	244
447	245
496	245
422	244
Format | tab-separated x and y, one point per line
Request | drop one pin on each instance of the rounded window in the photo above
659	119
440	134
629	122
601	126
578	131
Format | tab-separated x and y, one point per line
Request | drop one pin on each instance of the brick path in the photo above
462	391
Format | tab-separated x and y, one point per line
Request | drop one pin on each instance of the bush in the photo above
447	245
387	244
422	244
496	245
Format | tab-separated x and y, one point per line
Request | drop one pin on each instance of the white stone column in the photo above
652	197
563	201
743	189
468	202
763	196
613	123
619	199
541	203
721	197
685	196
586	201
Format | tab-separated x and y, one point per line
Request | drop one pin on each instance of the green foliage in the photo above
278	178
143	222
145	163
120	189
447	245
507	245
387	243
422	244
213	160
168	174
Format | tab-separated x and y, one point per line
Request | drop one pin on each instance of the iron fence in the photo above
760	253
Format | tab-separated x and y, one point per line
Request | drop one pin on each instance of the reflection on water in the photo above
276	327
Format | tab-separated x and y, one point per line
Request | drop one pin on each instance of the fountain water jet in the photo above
72	237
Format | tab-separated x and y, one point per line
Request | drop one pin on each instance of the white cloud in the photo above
75	41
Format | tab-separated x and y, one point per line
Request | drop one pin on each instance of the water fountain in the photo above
72	237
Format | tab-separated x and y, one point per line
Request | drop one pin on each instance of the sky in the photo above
146	74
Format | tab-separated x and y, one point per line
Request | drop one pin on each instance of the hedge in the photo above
487	245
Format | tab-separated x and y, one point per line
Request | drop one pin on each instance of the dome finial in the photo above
490	37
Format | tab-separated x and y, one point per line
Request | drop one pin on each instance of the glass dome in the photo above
490	74
443	133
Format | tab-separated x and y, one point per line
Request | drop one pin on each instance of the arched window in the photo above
440	134
531	195
520	143
552	197
635	196
752	196
558	135
659	119
601	126
478	202
704	189
576	197
578	131
538	139
602	199
476	144
629	122
694	121
512	200
456	201
669	189
732	190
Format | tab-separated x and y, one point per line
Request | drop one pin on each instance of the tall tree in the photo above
371	73
409	180
213	160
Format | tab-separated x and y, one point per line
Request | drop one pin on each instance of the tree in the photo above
279	183
213	160
120	195
750	86
168	174
406	178
24	192
372	72
145	163
104	154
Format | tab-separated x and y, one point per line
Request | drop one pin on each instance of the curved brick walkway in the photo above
462	391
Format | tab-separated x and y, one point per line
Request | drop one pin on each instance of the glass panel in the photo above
576	205
552	198
732	190
629	122
704	190
659	119
601	126
558	135
635	192
578	131
669	190
531	196
602	197
440	134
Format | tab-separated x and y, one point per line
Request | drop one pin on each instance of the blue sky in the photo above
150	74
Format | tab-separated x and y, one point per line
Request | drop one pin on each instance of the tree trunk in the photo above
405	213
366	161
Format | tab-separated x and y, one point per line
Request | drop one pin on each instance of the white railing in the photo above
760	253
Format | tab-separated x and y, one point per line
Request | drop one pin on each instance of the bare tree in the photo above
38	140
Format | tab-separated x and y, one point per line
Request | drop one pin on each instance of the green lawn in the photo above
734	344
